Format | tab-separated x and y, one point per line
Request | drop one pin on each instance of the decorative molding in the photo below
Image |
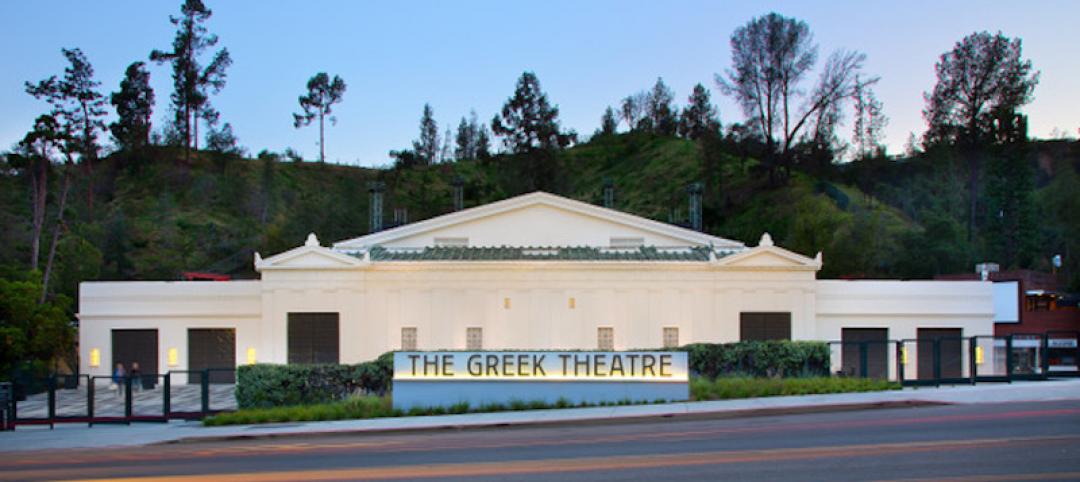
532	199
791	261
311	247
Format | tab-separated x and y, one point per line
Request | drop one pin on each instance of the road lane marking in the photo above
432	444
996	478
583	464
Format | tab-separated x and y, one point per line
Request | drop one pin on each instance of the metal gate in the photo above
107	399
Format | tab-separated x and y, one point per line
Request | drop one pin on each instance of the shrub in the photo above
745	387
779	358
267	385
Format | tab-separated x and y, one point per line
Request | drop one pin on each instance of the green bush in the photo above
780	358
267	385
351	408
700	389
745	387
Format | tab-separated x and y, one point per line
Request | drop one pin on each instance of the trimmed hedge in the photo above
743	387
769	359
266	385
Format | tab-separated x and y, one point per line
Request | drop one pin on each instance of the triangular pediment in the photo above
537	219
309	256
767	256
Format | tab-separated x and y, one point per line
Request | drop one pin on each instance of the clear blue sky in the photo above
395	56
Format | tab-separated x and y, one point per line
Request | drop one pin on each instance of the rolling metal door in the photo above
313	338
765	326
877	359
212	348
129	346
950	349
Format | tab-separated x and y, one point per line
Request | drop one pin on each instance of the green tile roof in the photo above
571	253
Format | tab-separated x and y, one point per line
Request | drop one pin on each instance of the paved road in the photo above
1008	441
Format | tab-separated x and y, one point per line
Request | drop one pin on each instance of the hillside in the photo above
155	216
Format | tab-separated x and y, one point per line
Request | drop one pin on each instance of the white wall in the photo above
171	307
537	225
443	299
903	307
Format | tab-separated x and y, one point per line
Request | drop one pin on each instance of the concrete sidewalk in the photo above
81	436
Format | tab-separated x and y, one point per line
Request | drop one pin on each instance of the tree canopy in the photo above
192	82
528	121
771	57
134	103
983	79
318	103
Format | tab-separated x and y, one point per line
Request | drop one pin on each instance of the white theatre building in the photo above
537	271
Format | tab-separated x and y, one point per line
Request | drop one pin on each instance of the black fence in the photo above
937	360
93	400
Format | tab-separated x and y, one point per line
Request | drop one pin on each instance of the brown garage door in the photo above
131	346
212	348
313	338
875	341
951	356
764	326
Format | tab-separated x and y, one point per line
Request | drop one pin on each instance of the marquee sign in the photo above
542	366
482	377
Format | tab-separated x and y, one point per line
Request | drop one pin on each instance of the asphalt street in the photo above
1006	441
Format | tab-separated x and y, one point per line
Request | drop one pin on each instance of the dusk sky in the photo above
395	56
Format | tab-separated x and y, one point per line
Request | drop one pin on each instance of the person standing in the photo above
136	376
119	376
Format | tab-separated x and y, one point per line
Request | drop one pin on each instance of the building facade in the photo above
536	271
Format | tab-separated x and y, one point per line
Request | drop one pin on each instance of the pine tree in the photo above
659	111
192	83
631	109
463	140
134	104
699	119
870	121
78	108
427	146
528	121
608	123
318	103
471	140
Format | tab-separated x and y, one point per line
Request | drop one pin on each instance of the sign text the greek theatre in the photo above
539	366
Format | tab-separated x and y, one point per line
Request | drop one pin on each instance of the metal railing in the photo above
959	360
92	399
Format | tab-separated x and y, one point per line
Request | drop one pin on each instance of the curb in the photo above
607	420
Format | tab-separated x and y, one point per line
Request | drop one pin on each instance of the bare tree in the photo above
771	57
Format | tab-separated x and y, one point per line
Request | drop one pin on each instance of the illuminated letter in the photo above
599	361
647	363
523	365
413	359
578	362
492	362
616	365
665	365
538	365
565	359
508	365
448	365
633	366
432	362
476	368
